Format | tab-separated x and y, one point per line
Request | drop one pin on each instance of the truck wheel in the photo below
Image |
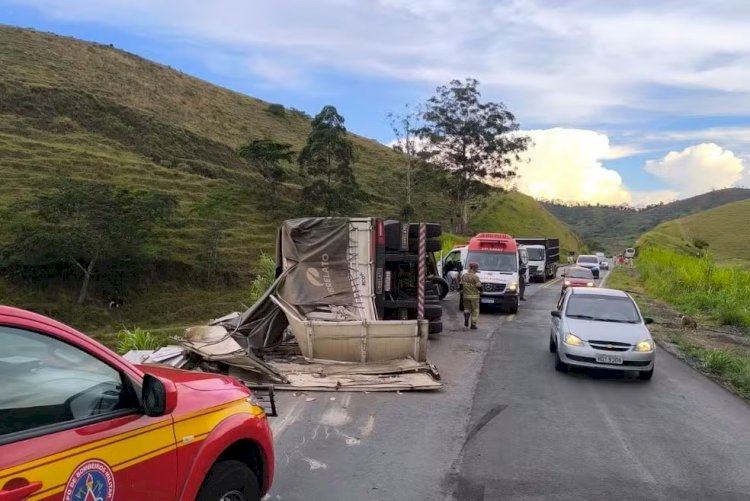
230	480
432	229
442	287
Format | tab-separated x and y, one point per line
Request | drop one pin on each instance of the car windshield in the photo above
535	254
588	259
579	273
494	261
602	308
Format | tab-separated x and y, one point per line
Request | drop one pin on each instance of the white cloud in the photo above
565	164
698	168
553	62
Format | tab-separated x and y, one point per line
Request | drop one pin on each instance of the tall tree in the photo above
327	159
471	139
85	223
406	126
266	156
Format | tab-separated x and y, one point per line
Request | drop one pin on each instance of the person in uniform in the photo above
471	287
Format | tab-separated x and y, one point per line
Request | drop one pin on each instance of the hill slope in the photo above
615	228
75	109
522	216
725	229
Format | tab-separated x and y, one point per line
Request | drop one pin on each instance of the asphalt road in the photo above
507	426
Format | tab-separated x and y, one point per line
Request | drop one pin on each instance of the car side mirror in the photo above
159	396
648	320
555	314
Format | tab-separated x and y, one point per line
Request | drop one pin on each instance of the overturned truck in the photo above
351	307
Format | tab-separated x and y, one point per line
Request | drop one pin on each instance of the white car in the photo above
601	329
603	262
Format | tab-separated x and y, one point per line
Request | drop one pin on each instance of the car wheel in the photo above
560	366
552	347
230	480
646	375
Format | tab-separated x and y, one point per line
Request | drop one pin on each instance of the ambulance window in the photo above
47	382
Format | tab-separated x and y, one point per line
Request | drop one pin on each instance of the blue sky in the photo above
627	102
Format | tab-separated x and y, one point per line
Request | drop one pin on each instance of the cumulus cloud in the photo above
697	169
565	164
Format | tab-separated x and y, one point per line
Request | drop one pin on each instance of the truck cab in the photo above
498	257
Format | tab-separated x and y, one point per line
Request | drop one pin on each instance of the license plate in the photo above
609	359
488	301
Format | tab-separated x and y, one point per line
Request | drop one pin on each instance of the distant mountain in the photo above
522	216
614	228
724	231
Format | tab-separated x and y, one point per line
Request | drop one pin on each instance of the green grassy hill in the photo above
522	216
615	228
725	229
74	109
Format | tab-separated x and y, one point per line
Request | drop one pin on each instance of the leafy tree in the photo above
327	159
471	139
266	156
84	223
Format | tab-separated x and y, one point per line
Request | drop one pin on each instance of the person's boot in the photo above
523	299
474	326
466	319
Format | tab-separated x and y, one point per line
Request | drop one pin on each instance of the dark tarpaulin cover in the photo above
317	274
317	265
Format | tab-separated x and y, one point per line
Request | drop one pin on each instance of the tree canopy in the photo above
326	160
471	139
85	222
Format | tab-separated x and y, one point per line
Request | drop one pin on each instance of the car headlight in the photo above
567	282
646	346
590	284
513	286
573	340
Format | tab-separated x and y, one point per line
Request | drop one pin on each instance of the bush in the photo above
276	110
265	277
137	339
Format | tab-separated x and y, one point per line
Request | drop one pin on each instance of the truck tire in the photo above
442	287
431	245
435	327
432	229
230	477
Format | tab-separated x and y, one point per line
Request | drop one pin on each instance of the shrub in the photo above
276	110
265	277
137	339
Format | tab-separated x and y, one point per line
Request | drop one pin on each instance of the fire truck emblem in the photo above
93	480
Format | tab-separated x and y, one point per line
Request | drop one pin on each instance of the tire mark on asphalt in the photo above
483	421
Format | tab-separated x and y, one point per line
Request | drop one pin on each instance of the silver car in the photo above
603	329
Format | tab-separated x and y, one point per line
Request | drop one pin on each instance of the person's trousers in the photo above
471	306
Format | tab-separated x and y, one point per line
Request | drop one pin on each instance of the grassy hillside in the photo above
723	229
522	216
615	228
74	109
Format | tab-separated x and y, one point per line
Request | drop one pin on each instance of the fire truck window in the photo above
46	381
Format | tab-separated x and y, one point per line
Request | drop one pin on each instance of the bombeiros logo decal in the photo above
92	480
321	277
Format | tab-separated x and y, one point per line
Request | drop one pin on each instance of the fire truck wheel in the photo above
230	480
